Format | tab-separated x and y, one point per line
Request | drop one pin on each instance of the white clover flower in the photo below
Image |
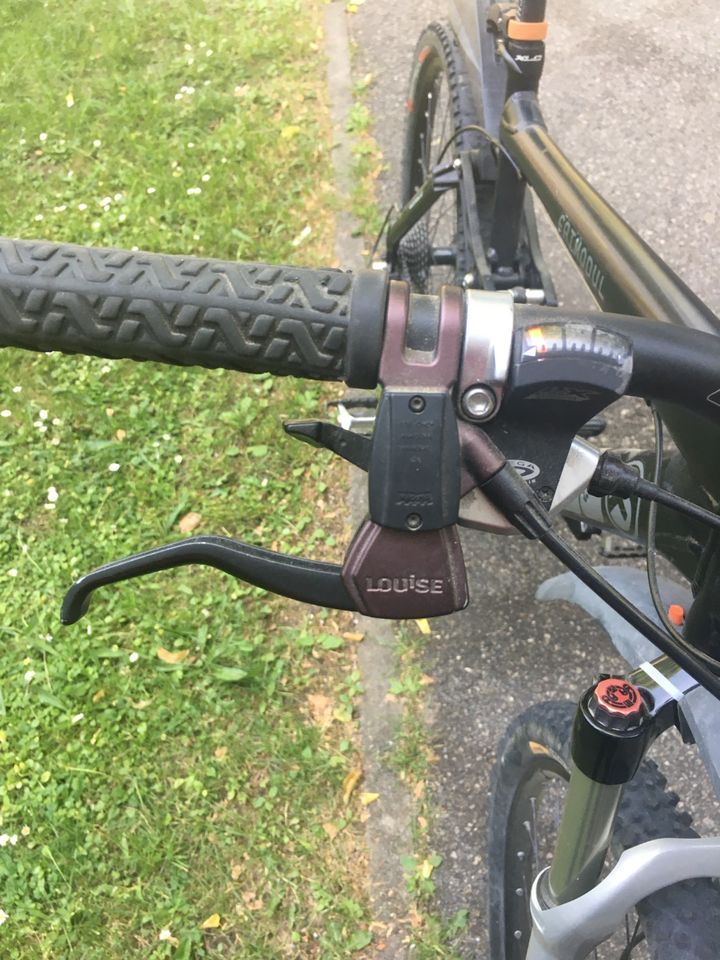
82	206
202	44
56	422
39	217
5	413
52	495
205	177
134	657
78	717
177	458
151	189
43	414
193	191
4	839
122	218
190	61
55	441
208	53
25	832
61	209
3	917
42	138
106	201
164	934
96	224
97	143
118	197
12	572
190	145
13	839
29	676
114	467
17	389
178	96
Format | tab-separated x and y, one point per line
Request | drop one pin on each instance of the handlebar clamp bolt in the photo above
479	403
417	404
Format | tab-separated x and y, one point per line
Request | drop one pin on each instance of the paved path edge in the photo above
389	834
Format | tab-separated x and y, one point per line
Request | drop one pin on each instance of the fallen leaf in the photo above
171	656
252	901
109	411
141	704
212	922
321	708
424	627
120	434
331	830
422	823
425	869
220	753
419	790
189	522
353	637
97	697
367	798
287	133
236	871
350	782
425	680
70	99
391	698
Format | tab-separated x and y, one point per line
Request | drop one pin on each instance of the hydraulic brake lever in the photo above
405	561
295	577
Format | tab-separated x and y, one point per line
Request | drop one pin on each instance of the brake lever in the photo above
379	578
309	580
406	560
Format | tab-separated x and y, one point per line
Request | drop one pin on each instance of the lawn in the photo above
177	768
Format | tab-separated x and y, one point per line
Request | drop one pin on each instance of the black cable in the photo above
652	551
475	127
652	528
515	499
678	650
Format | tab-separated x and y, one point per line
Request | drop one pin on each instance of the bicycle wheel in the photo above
681	922
436	250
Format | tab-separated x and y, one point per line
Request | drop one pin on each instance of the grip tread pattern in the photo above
175	309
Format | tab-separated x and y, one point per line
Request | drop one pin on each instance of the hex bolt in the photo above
413	521
417	404
479	403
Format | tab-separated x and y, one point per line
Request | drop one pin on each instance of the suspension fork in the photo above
617	720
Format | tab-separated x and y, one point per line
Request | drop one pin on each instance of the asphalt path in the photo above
631	94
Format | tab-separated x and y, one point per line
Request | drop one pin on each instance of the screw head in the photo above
479	403
417	404
413	521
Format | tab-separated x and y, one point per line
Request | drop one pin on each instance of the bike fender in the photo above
700	708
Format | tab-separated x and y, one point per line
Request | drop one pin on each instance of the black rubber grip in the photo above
175	309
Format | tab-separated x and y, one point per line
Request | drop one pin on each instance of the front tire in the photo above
439	104
681	922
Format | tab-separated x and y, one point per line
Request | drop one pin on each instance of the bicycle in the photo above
465	217
470	378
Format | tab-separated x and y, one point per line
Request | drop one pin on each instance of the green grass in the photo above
146	795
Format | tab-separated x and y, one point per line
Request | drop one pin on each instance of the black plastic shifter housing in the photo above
415	462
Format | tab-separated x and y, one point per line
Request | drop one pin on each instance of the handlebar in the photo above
446	364
320	324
